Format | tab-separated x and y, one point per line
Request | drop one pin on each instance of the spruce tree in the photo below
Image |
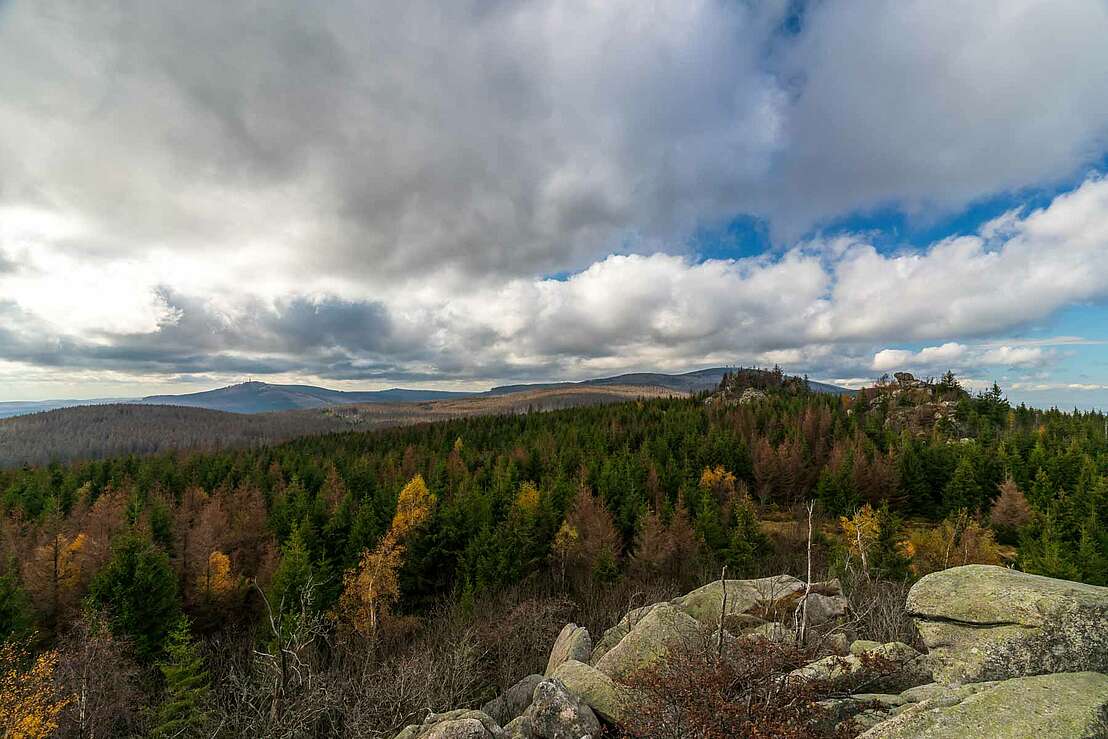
835	489
16	617
962	491
1045	554
747	540
1091	559
182	710
139	589
913	478
710	526
293	574
887	561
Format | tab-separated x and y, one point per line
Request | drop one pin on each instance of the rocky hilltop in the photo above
914	405
1007	655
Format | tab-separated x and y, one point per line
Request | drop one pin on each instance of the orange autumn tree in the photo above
29	700
216	582
719	481
370	589
54	570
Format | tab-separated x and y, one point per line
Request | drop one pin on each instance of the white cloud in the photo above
892	359
822	308
1045	386
953	355
175	174
931	105
1015	356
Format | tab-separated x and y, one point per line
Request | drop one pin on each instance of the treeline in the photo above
113	430
348	532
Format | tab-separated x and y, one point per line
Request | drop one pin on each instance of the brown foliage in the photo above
708	693
587	540
875	477
99	671
517	640
668	549
1010	510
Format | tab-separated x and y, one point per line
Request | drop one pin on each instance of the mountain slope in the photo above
261	397
95	431
9	408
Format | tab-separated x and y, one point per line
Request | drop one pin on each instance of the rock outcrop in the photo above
885	667
514	701
1072	705
662	631
1009	655
981	622
460	724
614	635
574	643
556	713
745	599
1015	655
607	698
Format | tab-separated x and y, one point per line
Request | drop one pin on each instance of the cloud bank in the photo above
382	192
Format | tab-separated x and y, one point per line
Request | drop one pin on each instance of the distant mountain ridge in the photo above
689	382
262	397
97	431
10	408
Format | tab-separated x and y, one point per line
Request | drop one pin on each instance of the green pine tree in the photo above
747	541
962	491
139	589
914	485
886	560
836	491
1045	553
710	526
182	710
293	574
1091	559
15	607
1042	492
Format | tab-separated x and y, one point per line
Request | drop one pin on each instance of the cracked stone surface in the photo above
982	622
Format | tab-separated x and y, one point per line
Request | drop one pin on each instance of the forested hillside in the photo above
111	430
336	546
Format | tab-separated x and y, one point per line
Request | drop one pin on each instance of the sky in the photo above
365	194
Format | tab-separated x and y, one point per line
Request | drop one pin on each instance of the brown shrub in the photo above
1010	511
703	692
959	540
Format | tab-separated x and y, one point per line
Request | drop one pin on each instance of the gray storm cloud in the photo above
364	190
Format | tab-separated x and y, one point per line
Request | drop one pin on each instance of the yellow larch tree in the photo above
527	500
861	532
216	581
54	571
373	586
29	700
720	481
